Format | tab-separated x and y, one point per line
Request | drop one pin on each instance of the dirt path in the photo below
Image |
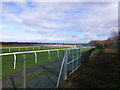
99	72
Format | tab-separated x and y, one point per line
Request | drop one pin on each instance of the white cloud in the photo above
62	0
100	18
53	17
40	31
43	14
13	18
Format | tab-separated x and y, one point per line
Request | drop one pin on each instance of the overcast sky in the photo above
58	22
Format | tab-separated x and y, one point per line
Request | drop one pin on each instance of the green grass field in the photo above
23	49
42	58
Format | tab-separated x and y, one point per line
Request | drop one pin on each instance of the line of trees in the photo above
112	42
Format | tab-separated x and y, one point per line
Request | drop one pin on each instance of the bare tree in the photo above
114	36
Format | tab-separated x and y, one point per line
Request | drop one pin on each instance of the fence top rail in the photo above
37	51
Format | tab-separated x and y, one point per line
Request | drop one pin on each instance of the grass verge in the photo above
100	71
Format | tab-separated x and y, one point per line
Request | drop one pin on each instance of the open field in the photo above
45	61
31	66
22	48
32	48
42	57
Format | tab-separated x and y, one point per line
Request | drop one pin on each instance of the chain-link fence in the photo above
39	69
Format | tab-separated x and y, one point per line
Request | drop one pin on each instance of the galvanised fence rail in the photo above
39	69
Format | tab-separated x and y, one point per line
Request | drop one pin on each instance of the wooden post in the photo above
24	71
13	83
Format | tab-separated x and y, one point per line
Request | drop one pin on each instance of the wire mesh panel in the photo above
11	77
39	69
74	60
32	73
69	68
45	71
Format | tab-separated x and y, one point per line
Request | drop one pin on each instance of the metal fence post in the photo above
73	59
65	64
24	71
80	57
60	73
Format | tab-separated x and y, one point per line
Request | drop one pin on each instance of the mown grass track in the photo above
42	58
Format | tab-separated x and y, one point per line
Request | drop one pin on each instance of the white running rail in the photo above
35	52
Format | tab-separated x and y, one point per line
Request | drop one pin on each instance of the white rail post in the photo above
19	49
14	61
69	51
9	49
49	55
35	57
58	52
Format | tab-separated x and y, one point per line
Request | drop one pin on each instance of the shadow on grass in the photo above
97	71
